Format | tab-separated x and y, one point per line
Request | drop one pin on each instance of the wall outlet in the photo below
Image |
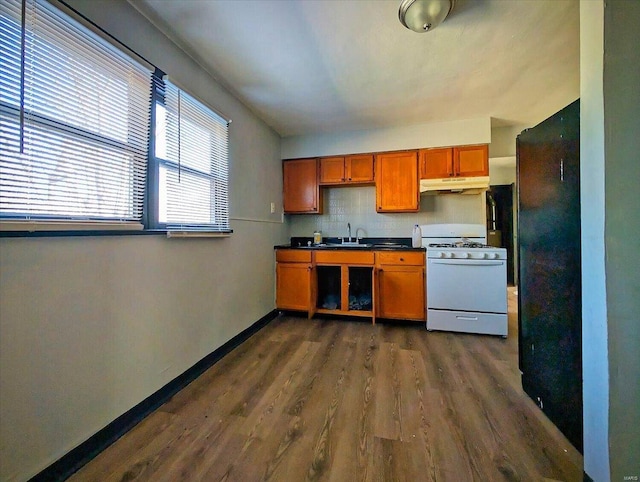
273	208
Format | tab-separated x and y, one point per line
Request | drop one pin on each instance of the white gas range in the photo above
466	280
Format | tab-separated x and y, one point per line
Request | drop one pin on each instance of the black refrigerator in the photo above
549	274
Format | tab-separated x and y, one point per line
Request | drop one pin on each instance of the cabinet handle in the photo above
401	259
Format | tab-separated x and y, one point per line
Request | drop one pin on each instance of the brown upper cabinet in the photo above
436	163
471	160
397	182
462	161
301	192
331	170
353	169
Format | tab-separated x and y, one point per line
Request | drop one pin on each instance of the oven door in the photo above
467	285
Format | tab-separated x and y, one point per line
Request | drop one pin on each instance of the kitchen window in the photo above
190	163
93	139
74	124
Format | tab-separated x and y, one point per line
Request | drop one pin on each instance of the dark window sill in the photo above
89	233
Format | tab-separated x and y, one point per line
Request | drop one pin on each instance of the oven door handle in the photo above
477	262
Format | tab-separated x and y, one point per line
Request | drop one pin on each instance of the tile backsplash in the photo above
356	205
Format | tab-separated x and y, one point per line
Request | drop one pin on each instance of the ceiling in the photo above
319	66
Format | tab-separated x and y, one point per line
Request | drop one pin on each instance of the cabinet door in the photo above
293	286
436	163
401	292
313	290
359	289
330	288
469	161
332	170
359	168
301	190
397	182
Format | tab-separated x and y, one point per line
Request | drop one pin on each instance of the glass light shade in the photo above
424	15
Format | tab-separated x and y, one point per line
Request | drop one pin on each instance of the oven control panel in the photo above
467	253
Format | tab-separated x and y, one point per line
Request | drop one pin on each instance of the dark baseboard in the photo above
71	462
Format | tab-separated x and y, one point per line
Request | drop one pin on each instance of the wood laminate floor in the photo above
334	400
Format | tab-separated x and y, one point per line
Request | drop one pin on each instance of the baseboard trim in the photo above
74	460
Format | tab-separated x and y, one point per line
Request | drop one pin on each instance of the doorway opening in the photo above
501	224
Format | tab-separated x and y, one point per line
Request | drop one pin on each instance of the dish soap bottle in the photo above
416	238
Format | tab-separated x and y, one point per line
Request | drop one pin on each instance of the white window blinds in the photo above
193	161
74	124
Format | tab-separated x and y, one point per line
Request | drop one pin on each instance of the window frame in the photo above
158	96
42	225
53	42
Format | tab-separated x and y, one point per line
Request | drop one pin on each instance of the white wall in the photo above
91	326
595	362
503	140
610	142
502	171
622	232
357	205
441	134
502	154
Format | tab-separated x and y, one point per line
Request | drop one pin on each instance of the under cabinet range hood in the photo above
459	185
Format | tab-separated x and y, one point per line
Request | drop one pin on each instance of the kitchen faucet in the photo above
349	240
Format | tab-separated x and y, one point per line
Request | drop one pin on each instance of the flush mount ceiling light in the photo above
424	15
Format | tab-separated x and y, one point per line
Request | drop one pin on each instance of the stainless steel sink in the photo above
347	245
354	245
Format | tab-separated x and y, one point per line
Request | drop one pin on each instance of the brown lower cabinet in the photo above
371	284
345	281
401	285
295	280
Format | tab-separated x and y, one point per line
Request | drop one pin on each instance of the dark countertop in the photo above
368	244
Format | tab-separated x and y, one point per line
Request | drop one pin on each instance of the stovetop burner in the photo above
459	245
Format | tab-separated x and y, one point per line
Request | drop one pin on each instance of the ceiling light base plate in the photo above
424	15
